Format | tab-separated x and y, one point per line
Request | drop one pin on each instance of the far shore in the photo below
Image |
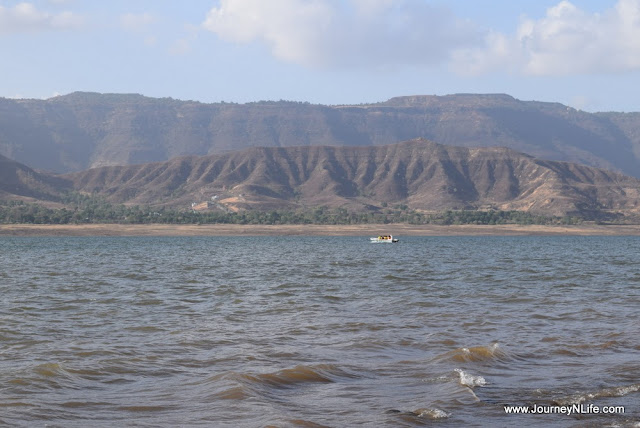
314	230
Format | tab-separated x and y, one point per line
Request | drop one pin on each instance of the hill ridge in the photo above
420	174
82	130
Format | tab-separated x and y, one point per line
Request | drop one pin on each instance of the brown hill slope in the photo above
421	174
19	182
83	130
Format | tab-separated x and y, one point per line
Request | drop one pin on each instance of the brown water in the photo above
315	331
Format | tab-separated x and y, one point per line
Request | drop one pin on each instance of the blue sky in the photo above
585	54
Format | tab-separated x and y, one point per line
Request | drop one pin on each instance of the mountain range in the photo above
78	131
418	174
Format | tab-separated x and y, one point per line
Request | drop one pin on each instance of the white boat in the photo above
385	238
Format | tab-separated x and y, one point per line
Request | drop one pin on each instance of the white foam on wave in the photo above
617	391
621	391
470	380
432	413
491	349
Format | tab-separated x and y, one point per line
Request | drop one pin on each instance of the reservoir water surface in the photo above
318	331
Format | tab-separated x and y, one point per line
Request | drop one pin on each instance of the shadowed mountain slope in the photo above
83	130
420	174
19	182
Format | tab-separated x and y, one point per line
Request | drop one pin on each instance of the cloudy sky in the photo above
582	53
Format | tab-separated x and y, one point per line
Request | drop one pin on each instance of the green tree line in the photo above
85	210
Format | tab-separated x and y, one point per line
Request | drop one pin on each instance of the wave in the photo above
136	276
585	349
49	370
391	277
233	393
305	424
475	354
324	276
322	373
356	263
60	372
431	413
148	408
47	375
426	413
83	404
611	392
241	385
470	380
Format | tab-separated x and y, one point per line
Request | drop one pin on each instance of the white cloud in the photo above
25	17
136	22
150	40
180	47
567	40
351	33
388	33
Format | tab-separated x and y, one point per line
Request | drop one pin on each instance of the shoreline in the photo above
314	230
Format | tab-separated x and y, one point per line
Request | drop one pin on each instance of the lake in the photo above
319	331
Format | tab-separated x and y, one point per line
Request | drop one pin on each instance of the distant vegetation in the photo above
86	210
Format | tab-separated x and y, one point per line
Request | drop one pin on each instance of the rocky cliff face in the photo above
83	130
